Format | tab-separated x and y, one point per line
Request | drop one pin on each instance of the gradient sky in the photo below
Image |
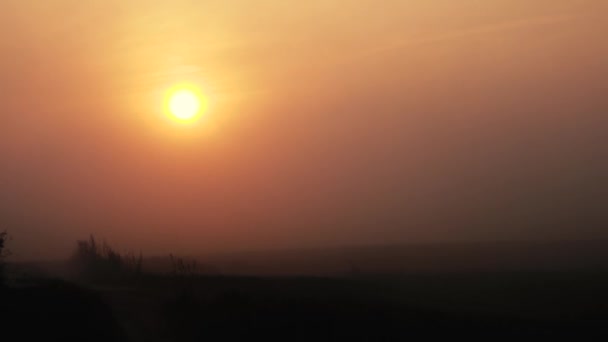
331	123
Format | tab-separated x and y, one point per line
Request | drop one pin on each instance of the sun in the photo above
185	103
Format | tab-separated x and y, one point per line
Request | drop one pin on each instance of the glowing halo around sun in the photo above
185	103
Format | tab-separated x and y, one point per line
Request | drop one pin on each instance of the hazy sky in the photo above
331	122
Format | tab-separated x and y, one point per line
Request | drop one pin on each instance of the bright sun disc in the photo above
185	104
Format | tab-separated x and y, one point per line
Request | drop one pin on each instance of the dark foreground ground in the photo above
474	306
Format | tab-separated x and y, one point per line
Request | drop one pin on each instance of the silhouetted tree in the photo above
3	254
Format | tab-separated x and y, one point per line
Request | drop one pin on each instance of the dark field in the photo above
480	306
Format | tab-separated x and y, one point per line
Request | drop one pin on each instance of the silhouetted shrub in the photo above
96	261
182	267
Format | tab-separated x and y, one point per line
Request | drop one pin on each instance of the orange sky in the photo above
331	122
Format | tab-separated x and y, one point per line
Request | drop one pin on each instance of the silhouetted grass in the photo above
100	262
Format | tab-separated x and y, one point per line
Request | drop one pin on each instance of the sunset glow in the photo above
216	126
